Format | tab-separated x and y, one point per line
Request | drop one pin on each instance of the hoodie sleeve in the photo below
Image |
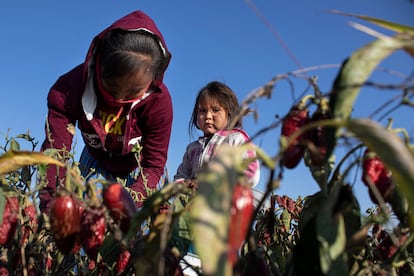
189	164
58	133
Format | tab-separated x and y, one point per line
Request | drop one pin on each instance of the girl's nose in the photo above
209	114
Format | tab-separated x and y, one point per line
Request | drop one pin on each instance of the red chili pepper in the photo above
120	204
375	173
9	224
296	118
123	261
242	209
318	137
386	247
30	223
65	221
93	228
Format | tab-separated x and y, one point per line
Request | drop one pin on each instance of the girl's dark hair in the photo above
123	51
221	93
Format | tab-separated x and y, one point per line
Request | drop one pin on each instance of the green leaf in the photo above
380	22
14	145
110	249
286	219
151	205
331	245
331	230
305	253
26	176
321	173
210	209
310	209
2	204
352	75
25	136
14	160
181	236
325	224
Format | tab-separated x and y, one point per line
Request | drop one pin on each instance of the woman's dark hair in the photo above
124	51
221	93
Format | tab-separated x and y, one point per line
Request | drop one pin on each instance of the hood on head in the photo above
134	21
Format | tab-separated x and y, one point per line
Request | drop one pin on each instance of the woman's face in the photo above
211	117
129	87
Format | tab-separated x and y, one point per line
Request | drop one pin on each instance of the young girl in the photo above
118	100
215	107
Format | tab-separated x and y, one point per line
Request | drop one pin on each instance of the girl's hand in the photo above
191	183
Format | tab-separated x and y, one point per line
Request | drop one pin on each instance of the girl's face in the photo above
212	117
128	87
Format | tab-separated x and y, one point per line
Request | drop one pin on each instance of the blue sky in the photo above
229	41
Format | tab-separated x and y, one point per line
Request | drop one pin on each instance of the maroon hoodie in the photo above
74	100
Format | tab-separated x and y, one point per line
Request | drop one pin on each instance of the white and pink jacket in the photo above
201	151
